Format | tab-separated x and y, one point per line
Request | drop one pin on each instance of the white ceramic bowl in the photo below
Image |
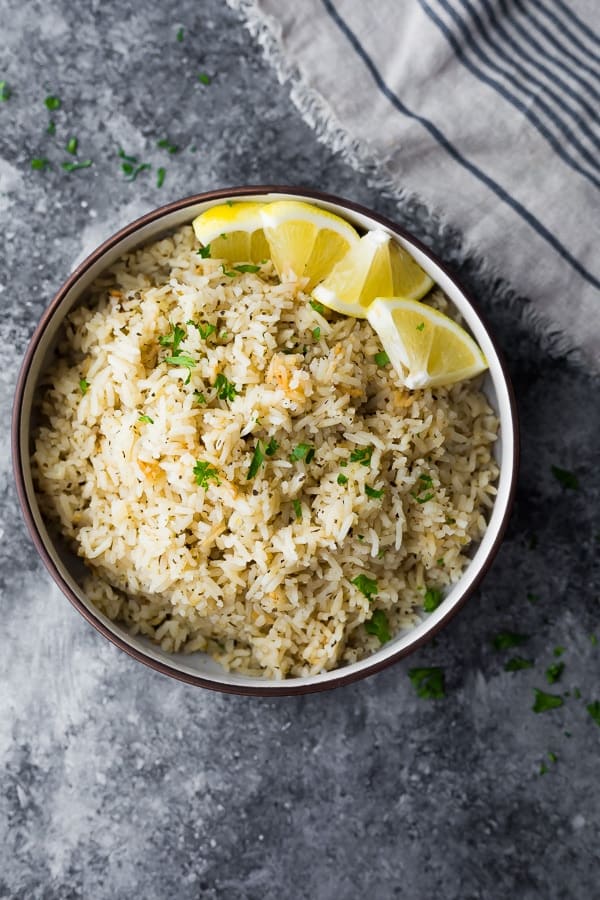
66	569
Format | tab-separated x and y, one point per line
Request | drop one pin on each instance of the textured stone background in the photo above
116	782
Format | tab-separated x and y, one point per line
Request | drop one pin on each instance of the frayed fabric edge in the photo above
319	116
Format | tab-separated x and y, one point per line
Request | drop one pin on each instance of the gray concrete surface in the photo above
116	782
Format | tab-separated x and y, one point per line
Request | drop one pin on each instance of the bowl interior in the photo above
67	569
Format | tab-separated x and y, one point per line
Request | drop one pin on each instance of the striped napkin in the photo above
488	110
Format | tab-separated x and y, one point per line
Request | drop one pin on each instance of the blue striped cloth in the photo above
488	110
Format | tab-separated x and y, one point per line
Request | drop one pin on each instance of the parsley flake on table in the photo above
72	145
594	711
554	672
205	472
297	508
433	598
179	35
51	129
506	639
558	651
381	359
226	390
75	166
367	586
204	252
362	455
5	92
565	478
160	176
271	447
146	419
40	163
257	460
303	451
52	103
593	640
183	360
166	144
203	78
544	702
379	626
84	386
516	663
132	171
428	681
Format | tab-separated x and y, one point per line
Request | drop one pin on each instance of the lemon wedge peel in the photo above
425	347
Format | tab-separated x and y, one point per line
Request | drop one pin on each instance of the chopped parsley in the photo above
204	252
51	129
146	419
425	482
421	326
318	307
179	35
229	272
258	458
433	598
341	479
440	562
123	155
84	386
552	756
565	478
516	663
226	390
183	360
204	472
558	651
203	78
593	640
429	682
247	267
271	447
199	398
173	339
379	626
72	145
75	166
132	171
367	586
303	451
424	499
4	92
373	494
362	455
316	333
506	639
40	163
554	672
165	144
297	508
52	102
160	176
543	702
594	711
382	359
204	329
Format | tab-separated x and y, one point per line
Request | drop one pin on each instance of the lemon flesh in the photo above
426	348
410	281
305	241
234	232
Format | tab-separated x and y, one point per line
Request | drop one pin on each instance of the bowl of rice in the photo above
229	480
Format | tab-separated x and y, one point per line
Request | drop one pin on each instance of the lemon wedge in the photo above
234	232
426	348
305	240
375	267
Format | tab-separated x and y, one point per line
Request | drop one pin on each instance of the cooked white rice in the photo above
257	572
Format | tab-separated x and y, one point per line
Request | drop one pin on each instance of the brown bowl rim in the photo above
276	689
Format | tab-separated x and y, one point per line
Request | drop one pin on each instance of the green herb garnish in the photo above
506	639
373	494
51	129
203	78
429	682
516	663
199	398
303	451
246	267
183	360
52	103
271	447
231	273
544	702
179	35
72	145
132	171
421	326
554	672
382	359
146	419
593	640
257	461
594	711
566	478
165	144
204	330
379	626
83	386
367	586
160	176
558	651
40	163
204	252
173	339
426	480
433	598
123	155
318	307
5	92
341	479
204	472
362	456
226	390
75	166
424	499
297	508
316	333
